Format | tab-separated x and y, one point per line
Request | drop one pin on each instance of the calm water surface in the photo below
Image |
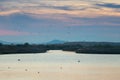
59	65
58	56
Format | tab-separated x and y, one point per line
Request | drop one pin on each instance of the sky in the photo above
38	21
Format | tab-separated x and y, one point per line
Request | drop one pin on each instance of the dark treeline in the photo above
22	48
96	47
78	47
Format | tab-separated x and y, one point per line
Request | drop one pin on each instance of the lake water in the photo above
59	65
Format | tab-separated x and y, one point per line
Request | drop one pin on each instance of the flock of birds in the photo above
39	72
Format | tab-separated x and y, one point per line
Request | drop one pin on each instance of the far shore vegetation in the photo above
78	47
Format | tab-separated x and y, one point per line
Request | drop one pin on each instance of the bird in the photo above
8	67
26	70
18	59
78	61
60	67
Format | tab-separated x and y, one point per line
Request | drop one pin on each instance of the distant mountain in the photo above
56	42
4	42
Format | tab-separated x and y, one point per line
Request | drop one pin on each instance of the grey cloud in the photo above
35	4
109	5
8	5
69	8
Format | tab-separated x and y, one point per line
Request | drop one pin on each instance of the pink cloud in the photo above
4	13
4	32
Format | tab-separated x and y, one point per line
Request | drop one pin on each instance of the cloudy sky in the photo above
39	21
